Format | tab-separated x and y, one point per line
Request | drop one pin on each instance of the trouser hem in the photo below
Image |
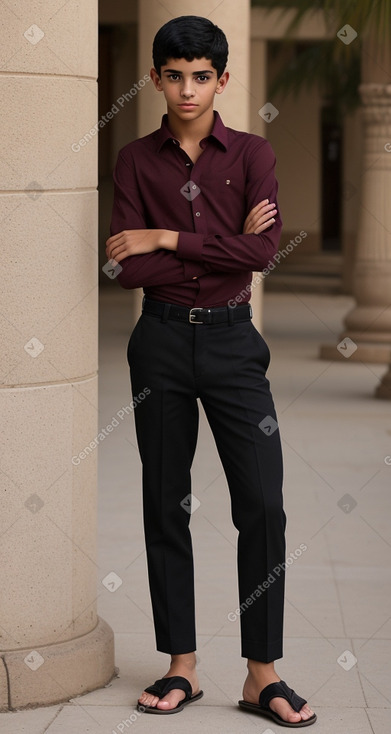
260	652
177	648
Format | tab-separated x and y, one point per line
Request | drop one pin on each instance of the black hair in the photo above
190	37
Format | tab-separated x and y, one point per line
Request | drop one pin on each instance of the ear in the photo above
222	82
156	79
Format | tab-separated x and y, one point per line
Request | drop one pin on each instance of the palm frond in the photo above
331	64
312	65
363	15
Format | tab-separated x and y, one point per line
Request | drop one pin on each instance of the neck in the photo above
191	131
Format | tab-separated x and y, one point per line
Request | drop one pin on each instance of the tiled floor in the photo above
336	436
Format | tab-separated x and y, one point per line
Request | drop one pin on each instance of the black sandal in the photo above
162	686
281	690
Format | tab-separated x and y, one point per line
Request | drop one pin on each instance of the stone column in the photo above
368	324
53	644
258	126
383	390
233	18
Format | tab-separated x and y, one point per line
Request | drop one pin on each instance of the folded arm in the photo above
154	266
151	257
241	251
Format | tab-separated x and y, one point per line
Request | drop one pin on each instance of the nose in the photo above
187	88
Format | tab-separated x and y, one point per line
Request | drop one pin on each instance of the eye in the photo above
203	78
171	76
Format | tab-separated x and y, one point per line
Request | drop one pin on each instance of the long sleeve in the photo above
241	251
161	267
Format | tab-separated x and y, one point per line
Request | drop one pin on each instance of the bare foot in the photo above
259	676
184	665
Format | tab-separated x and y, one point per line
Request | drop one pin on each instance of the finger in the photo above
253	225
254	211
116	241
118	256
268	214
114	250
264	226
114	237
264	203
261	218
261	226
261	203
110	244
260	211
266	209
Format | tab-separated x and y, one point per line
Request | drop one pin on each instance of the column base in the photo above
370	352
67	669
383	390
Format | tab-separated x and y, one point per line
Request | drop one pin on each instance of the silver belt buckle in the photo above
192	316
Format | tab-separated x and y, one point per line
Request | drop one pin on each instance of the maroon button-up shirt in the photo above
157	186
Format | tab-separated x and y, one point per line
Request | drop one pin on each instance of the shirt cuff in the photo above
190	246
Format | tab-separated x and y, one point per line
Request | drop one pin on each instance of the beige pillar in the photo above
258	126
53	644
383	390
368	324
233	17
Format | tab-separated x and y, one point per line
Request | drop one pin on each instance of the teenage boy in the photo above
194	214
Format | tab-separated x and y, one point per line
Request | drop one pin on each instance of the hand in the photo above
260	217
132	242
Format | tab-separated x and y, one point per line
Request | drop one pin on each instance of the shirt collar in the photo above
219	132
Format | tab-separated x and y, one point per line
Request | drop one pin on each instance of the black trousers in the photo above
224	366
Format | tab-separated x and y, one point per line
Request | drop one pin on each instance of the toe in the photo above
293	716
281	707
147	699
171	700
306	712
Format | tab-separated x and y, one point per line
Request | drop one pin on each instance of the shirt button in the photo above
198	214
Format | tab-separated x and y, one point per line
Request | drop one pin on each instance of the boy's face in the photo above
189	87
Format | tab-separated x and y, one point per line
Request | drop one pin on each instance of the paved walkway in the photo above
336	437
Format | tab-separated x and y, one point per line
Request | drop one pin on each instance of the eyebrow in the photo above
195	73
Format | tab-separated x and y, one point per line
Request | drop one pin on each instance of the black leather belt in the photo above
197	315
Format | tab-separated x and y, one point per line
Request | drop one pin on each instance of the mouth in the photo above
187	106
